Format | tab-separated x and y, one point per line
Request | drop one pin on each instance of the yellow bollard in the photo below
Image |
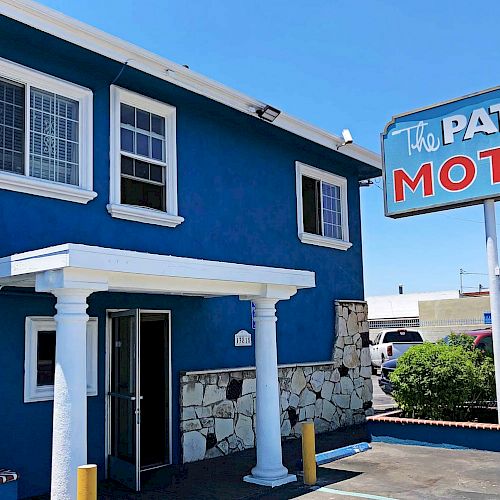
309	453
87	482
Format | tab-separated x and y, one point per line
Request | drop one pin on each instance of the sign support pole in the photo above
494	278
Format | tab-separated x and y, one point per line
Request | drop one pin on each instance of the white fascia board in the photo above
113	260
46	259
124	262
74	31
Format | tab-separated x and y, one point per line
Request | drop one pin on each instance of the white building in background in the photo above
401	310
434	314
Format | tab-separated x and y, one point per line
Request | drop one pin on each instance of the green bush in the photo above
454	339
442	381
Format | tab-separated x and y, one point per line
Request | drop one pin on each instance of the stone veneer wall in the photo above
218	407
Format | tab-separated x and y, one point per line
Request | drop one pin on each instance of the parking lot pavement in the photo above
390	471
381	401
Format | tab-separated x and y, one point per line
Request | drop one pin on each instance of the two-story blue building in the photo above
155	225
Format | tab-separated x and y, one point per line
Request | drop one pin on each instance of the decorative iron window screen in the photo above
46	135
54	139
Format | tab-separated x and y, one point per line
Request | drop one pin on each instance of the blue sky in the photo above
339	64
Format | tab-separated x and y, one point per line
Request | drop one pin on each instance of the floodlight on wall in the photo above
365	183
268	113
346	138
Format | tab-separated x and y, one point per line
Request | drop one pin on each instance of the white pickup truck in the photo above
390	344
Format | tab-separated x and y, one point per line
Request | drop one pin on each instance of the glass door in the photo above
125	401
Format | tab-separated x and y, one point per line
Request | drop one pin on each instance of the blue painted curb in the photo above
435	436
346	451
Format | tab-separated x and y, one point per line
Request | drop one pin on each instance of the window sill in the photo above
47	394
314	239
47	189
145	215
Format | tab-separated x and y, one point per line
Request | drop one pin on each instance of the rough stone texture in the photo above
333	394
193	446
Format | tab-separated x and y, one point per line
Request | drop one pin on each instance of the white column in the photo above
493	271
269	470
69	438
71	288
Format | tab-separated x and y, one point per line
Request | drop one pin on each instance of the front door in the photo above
139	394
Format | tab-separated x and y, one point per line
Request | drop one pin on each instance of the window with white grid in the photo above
322	208
143	159
332	212
45	135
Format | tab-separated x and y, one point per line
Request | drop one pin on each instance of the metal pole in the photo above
493	271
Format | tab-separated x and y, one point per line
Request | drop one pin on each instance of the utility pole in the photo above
494	275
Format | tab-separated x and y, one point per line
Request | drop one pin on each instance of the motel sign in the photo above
446	156
443	156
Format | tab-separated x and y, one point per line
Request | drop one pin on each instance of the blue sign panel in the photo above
443	156
252	312
487	318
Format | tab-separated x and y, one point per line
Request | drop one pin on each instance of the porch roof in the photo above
127	271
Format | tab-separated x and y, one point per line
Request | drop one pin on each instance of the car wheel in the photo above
374	370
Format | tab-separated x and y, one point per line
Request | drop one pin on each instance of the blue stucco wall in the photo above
236	190
202	336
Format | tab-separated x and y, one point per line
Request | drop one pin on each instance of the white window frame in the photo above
301	169
34	324
169	217
82	193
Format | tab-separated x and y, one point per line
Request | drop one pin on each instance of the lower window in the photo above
40	358
142	183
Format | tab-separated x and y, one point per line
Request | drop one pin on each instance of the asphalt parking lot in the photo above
381	401
386	472
390	471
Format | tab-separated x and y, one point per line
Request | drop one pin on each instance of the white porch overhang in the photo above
72	272
126	271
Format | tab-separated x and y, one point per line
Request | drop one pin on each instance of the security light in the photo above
365	183
268	113
346	135
346	138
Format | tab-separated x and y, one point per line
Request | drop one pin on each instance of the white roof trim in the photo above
125	270
74	31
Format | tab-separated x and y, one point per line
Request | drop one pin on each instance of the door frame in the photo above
108	353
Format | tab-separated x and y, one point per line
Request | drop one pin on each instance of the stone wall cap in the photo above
347	301
251	368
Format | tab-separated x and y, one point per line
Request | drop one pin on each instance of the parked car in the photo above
390	344
482	340
384	380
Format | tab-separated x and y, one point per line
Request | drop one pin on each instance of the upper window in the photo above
143	159
45	135
40	358
322	208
